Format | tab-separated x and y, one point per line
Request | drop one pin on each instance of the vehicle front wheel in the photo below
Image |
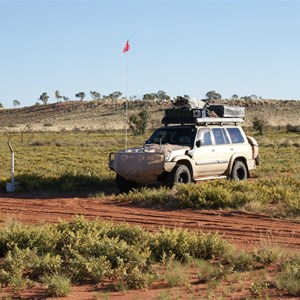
124	185
180	174
239	171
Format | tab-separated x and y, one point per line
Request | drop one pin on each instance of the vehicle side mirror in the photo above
198	143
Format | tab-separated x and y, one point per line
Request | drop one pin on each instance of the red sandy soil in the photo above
244	230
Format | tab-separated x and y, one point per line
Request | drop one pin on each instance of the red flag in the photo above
126	47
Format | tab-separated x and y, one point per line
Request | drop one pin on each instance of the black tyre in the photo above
239	171
124	185
180	174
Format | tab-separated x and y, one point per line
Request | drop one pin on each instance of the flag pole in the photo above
125	50
126	104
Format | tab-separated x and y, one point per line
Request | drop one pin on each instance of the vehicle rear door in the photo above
224	150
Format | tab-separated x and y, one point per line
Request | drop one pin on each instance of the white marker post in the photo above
10	186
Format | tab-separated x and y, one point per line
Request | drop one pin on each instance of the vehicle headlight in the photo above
167	155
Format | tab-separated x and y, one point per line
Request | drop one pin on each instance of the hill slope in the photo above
110	115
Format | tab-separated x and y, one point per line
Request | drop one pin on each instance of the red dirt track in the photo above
245	230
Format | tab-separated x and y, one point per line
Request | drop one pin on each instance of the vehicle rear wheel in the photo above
180	174
239	171
124	185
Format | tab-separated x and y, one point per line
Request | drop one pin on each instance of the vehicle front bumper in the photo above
141	167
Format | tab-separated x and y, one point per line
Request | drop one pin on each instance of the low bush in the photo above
267	255
257	289
149	196
239	260
57	285
279	191
176	274
208	271
93	252
260	124
289	277
182	244
292	128
96	252
88	269
41	238
211	195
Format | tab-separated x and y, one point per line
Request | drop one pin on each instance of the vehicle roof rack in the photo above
204	121
199	116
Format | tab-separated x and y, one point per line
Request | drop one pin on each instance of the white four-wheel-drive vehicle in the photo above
189	147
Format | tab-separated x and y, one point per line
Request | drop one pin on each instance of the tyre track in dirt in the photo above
245	230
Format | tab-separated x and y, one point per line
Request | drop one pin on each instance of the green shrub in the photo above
85	269
48	124
289	277
132	235
267	255
182	244
137	278
149	196
260	124
47	263
209	245
139	122
175	242
42	238
208	196
292	128
239	260
208	271
57	285
93	251
19	283
280	191
258	288
4	277
176	274
15	264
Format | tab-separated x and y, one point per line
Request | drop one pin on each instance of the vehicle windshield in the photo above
184	136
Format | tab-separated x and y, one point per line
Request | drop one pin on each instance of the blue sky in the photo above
180	47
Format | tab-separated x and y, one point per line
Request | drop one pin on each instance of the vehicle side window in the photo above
235	135
207	138
219	136
225	136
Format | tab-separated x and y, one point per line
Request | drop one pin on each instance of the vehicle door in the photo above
224	149
204	154
240	143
